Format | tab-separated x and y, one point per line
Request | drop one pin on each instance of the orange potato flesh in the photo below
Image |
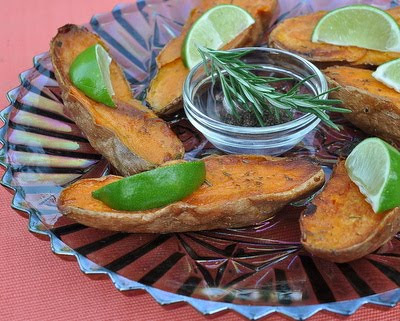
135	127
164	95
79	194
340	204
233	178
239	190
375	107
294	34
341	226
362	79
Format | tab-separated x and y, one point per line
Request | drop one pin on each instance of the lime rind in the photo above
214	29
190	52
153	189
374	166
389	74
90	72
342	32
370	179
104	62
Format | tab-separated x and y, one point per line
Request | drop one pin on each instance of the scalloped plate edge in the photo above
388	299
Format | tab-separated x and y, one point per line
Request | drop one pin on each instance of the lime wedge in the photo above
389	74
359	25
90	72
214	29
374	166
154	188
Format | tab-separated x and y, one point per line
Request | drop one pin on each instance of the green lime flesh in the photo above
153	189
90	72
359	25
214	29
389	74
374	166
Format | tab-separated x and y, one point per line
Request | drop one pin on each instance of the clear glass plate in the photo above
254	271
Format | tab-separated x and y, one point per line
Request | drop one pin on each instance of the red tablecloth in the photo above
35	284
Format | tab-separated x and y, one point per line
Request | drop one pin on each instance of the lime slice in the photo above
359	25
90	72
153	189
214	29
389	74
375	167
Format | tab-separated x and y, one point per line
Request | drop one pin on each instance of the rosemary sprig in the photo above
244	89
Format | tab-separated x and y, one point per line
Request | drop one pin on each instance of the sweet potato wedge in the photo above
240	190
165	93
340	226
130	136
294	34
375	107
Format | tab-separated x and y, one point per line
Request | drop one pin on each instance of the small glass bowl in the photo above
270	140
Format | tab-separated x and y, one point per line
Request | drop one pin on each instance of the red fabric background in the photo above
35	284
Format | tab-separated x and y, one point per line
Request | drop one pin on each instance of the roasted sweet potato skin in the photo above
165	93
340	226
375	107
294	34
130	136
240	190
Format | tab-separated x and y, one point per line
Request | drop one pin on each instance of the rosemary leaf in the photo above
244	89
296	87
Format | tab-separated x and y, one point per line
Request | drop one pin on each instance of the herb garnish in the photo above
244	89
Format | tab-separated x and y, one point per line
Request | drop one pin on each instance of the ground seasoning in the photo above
248	119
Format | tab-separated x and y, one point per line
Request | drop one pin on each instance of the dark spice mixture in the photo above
248	119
